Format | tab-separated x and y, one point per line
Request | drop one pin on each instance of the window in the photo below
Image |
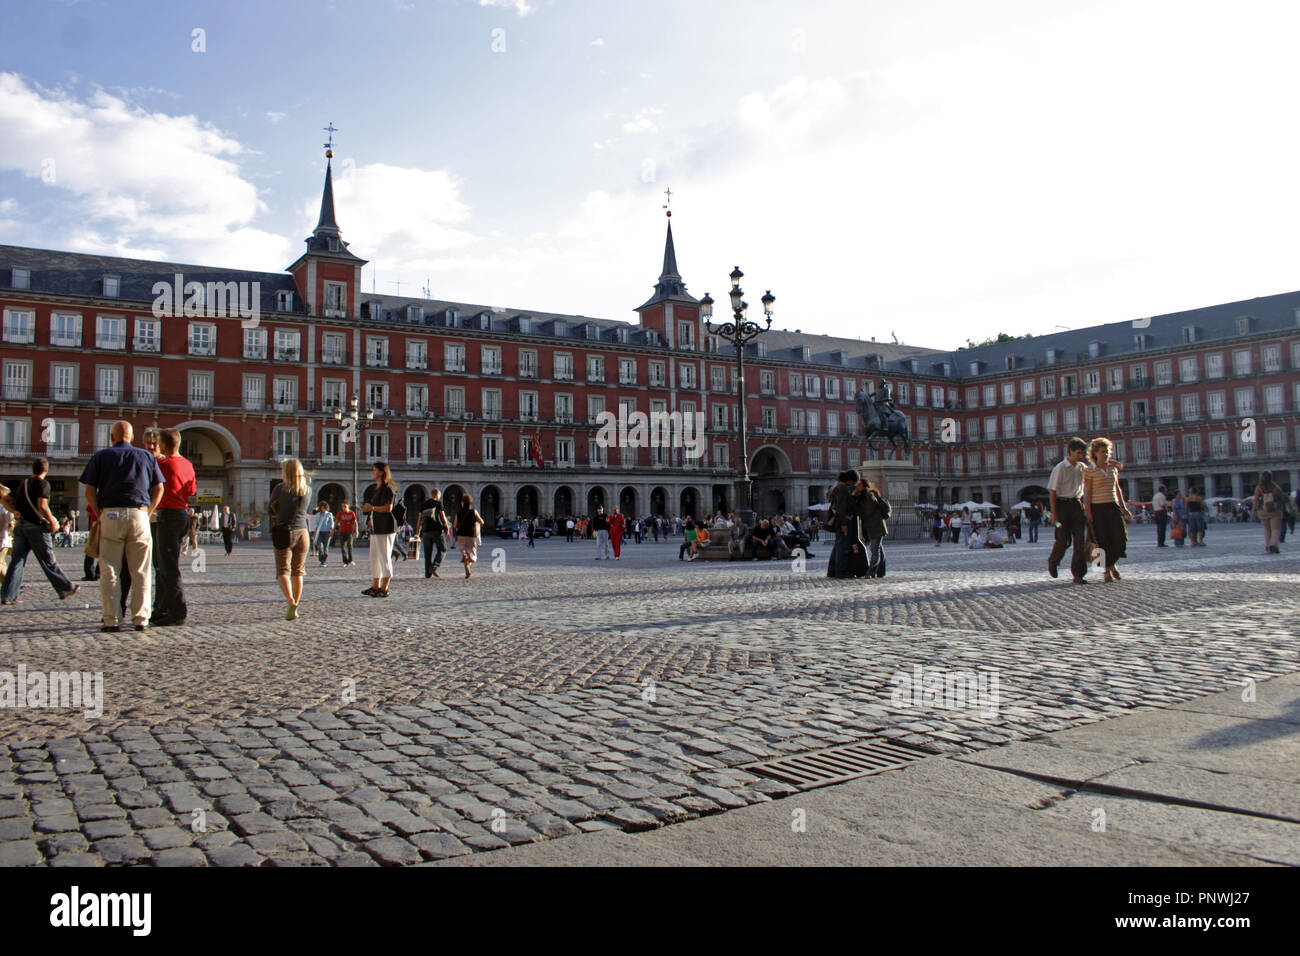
20	279
1008	459
768	418
1273	399
720	459
1048	387
595	406
65	328
1164	410
563	368
1216	404
331	445
1031	459
335	296
1164	373
453	357
1030	422
1092	417
1214	365
1008	426
200	389
814	459
687	374
813	418
1049	421
1139	412
1192	446
832	423
112	287
415	442
202	339
1115	414
1137	376
1092	382
1008	393
148	336
417	354
1114	379
972	429
332	392
796	385
1165	447
989	396
103	435
685	335
719	416
658	377
1295	355
454	449
376	446
1069	386
990	428
1191	407
1275	441
596	368
286	345
1187	369
1245	401
333	349
1219	445
64	444
108	385
491	355
377	396
284	301
63	383
254	392
417	399
766	382
1142	450
1027	390
286	393
832	387
595	454
528	363
627	371
146	386
110	332
376	351
286	443
1271	358
528	406
20	325
564	452
564	409
717	378
902	392
1241	362
796	420
833	459
254	343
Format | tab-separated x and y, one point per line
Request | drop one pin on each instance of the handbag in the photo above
1177	532
280	537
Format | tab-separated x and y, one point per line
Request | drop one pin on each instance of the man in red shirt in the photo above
169	607
346	528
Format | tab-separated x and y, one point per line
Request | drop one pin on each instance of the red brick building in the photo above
458	390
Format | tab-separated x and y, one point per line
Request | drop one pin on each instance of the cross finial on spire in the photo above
329	146
669	193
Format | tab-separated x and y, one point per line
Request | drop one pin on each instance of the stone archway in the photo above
627	501
527	501
413	497
658	502
489	505
333	494
222	440
690	503
451	501
770	469
563	501
595	499
1033	494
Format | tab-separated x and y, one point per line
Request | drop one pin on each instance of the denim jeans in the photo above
839	561
35	540
322	547
345	547
875	555
434	546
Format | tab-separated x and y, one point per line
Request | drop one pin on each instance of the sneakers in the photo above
435	572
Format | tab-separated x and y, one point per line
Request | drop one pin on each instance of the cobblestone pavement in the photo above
561	695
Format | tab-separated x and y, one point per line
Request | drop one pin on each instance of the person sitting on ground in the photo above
976	540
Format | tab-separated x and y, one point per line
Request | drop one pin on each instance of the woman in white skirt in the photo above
383	530
467	532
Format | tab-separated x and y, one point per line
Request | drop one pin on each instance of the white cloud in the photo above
134	177
275	117
522	7
643	122
598	42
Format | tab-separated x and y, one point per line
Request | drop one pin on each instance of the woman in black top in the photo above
383	530
467	533
288	507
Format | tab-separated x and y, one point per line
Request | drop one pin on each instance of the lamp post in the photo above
354	422
740	331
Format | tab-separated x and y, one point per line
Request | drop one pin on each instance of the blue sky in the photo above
931	170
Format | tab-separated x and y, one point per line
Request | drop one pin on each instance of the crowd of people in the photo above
142	522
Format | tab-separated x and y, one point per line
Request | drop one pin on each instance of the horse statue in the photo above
879	417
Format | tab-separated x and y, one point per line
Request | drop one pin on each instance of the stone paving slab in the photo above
557	699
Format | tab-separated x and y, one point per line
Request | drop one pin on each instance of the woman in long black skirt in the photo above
1104	504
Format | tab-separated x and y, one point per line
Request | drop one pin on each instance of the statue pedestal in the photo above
894	480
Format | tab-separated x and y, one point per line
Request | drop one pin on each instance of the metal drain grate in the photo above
836	764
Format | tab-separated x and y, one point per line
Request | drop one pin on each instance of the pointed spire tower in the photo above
327	275
672	311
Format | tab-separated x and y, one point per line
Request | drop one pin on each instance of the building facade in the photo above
459	392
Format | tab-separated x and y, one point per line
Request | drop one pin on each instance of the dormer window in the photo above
414	313
335	294
652	337
451	318
805	353
525	325
334	245
761	349
284	301
1245	324
1011	362
1141	341
1053	356
112	287
21	279
485	321
1094	349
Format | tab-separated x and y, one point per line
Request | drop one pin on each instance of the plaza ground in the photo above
559	696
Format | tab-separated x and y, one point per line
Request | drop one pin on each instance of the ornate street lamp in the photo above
739	332
355	422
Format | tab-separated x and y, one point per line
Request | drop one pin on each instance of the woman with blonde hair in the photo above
289	503
383	530
1104	505
468	521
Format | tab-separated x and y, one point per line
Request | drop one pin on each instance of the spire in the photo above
670	256
670	284
327	226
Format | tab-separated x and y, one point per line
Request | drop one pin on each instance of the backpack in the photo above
399	513
885	510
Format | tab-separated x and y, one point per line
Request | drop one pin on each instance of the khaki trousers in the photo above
125	531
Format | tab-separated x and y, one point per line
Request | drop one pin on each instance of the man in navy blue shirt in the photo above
124	485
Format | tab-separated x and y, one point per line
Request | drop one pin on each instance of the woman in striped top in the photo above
1104	504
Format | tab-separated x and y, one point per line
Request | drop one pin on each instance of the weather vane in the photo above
329	146
669	193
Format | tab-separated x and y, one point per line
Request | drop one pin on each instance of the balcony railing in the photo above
287	354
330	357
254	351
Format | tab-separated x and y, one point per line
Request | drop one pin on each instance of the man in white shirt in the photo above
1066	490
1160	511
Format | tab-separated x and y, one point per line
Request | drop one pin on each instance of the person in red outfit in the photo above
617	525
170	609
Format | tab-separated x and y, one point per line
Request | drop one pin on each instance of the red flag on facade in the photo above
535	450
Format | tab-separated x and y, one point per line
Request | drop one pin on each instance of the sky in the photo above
930	170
